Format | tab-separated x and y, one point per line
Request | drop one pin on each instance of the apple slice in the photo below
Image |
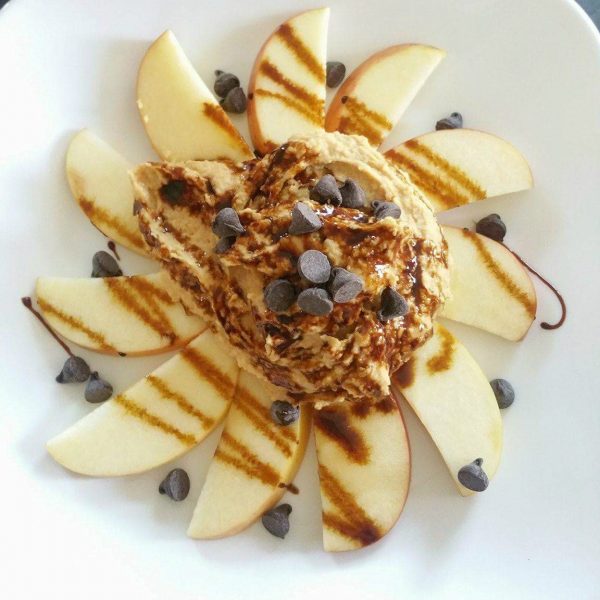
99	180
374	97
490	288
364	470
181	116
157	419
254	460
131	315
455	402
287	86
458	166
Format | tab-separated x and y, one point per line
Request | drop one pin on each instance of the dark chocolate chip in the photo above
172	191
314	266
224	83
315	301
336	71
304	220
218	72
454	121
227	223
75	370
473	477
345	286
176	485
492	227
224	244
235	101
279	295
97	390
383	209
276	521
353	195
326	191
105	265
393	305
504	392
284	413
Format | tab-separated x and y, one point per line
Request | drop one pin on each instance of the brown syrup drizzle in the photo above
113	248
334	423
290	487
405	375
217	115
291	103
358	118
288	36
442	361
28	304
209	371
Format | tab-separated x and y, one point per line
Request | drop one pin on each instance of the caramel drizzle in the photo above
77	324
360	119
290	103
100	215
334	423
208	371
352	521
503	278
139	412
243	459
442	361
363	408
405	375
217	115
304	54
149	290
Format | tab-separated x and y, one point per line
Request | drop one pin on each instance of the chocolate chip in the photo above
454	121
97	390
345	286
279	295
473	477
224	83
314	266
75	370
176	485
383	209
336	71
235	101
353	195
227	223
492	227
224	244
284	413
393	305
326	191
315	301
304	220
105	265
172	191
504	392
276	521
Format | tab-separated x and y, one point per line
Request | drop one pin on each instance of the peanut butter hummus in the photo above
348	352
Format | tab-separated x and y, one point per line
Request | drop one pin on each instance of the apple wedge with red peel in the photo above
157	419
378	92
364	471
99	180
254	460
286	94
490	288
454	400
457	166
131	315
181	116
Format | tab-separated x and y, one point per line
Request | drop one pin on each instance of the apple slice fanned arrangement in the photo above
362	449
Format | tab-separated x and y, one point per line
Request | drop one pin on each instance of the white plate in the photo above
528	71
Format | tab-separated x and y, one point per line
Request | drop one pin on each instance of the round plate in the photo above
529	72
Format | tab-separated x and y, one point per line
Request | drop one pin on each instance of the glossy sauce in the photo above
334	423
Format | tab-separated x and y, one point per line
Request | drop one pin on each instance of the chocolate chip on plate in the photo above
473	477
224	83
276	521
279	295
492	227
315	301
314	266
353	195
345	286
224	244
304	220
97	389
75	370
176	485
227	223
336	71
504	392
284	413
393	305
326	191
383	209
105	265
454	121
235	101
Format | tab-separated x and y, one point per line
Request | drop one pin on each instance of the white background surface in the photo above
527	70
